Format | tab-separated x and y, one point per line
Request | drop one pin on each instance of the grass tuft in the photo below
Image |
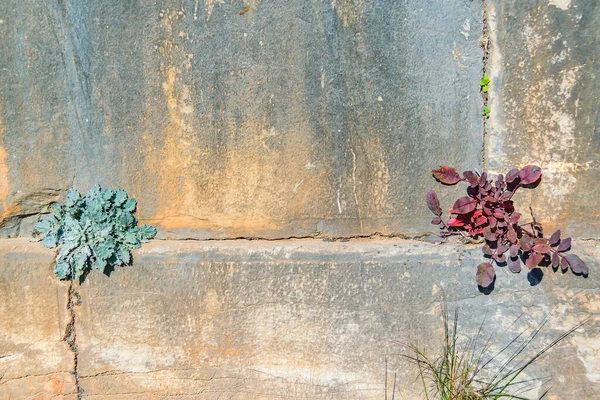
468	372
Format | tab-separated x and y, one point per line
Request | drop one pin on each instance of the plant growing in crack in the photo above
484	84
488	211
467	368
486	112
96	230
484	87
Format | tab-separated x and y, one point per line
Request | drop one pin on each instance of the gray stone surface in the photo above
545	97
303	318
296	118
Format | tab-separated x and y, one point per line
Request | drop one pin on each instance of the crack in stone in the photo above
70	335
354	188
4	381
485	45
420	236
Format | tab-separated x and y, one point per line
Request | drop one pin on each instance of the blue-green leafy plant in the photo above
96	230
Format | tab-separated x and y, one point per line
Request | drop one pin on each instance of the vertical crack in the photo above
354	189
70	336
484	43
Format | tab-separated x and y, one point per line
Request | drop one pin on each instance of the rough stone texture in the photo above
34	361
545	97
296	319
295	118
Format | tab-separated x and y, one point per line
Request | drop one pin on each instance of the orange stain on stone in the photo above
4	181
56	386
5	211
251	187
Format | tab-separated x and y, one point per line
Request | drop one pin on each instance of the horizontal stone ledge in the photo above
279	319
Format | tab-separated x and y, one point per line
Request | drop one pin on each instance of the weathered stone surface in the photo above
34	360
302	318
545	97
295	118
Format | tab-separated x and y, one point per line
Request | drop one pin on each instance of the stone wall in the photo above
262	119
291	122
545	101
287	319
297	118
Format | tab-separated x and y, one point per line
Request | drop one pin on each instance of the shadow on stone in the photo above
535	276
108	270
489	289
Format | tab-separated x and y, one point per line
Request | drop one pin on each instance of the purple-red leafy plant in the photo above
488	211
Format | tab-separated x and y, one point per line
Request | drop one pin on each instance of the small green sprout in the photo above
484	84
486	112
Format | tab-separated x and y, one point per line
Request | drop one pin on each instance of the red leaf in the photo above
480	221
483	179
577	264
533	260
512	175
514	217
542	248
487	250
492	222
555	260
511	235
499	213
446	175
514	251
485	274
477	231
489	235
436	221
515	266
530	174
564	245
555	238
526	243
506	196
530	262
564	264
502	248
433	203
463	205
455	222
471	178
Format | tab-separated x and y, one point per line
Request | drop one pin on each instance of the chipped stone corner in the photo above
20	214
